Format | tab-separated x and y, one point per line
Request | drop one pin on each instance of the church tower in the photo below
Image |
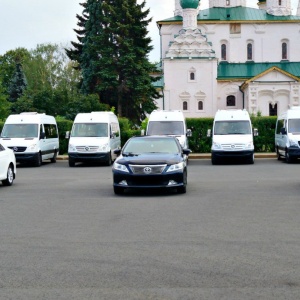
279	7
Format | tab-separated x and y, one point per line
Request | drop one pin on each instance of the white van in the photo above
169	122
94	137
232	136
32	136
287	135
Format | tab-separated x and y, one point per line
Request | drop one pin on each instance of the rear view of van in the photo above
94	137
32	136
169	122
287	135
232	136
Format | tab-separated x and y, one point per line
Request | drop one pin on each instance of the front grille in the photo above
233	147
87	148
18	149
147	169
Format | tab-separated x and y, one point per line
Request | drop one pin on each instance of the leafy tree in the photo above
4	104
112	54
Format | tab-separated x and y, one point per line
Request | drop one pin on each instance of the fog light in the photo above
172	182
123	182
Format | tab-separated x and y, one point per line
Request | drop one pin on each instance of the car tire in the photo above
118	190
288	158
10	176
109	160
214	160
251	159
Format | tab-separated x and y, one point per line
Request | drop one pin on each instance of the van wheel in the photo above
214	160
71	163
288	158
53	159
109	160
39	160
251	160
10	176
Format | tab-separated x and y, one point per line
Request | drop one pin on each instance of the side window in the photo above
41	130
184	105
279	125
284	50
50	131
115	129
230	101
223	52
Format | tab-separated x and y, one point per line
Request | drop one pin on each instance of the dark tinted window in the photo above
50	131
165	128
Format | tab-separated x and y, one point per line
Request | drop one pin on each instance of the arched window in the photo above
249	51
185	105
192	76
200	105
223	52
272	109
230	100
284	50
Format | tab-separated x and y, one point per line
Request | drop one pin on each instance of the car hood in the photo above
150	159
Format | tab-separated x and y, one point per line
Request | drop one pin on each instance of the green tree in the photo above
18	84
113	53
4	104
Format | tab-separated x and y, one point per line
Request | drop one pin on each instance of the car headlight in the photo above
294	143
176	167
216	146
32	147
120	167
249	145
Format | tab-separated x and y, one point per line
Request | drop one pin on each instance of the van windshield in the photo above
232	127
20	131
90	130
165	128
294	126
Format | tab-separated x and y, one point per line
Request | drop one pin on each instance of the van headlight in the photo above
121	168
176	167
104	148
72	148
32	147
249	145
216	146
293	143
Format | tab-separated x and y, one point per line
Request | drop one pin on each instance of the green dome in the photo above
189	3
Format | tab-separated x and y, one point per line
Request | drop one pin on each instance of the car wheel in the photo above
71	163
10	176
251	159
118	190
53	159
39	160
214	160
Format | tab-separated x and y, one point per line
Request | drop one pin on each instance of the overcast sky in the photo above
27	23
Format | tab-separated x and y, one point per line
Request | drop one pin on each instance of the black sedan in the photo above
151	162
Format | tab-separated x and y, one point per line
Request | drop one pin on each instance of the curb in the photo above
199	156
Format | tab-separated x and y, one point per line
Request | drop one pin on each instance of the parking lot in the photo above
233	235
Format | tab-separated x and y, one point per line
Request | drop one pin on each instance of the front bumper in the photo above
233	154
165	180
86	157
26	157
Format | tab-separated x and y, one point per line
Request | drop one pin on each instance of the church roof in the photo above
244	71
234	14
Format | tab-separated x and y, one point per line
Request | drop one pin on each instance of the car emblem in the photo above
15	149
87	148
232	146
147	170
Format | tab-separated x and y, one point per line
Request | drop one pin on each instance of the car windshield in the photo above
138	146
165	128
232	127
294	126
20	131
90	130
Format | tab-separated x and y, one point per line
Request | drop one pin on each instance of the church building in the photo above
230	56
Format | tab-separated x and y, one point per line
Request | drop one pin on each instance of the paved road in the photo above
234	235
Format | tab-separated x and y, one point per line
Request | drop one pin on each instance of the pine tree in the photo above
18	84
113	53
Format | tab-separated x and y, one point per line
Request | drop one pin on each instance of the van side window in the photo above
279	126
50	131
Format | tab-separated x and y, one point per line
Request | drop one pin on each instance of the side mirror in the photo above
117	152
186	151
283	131
255	132
188	132
67	136
208	134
